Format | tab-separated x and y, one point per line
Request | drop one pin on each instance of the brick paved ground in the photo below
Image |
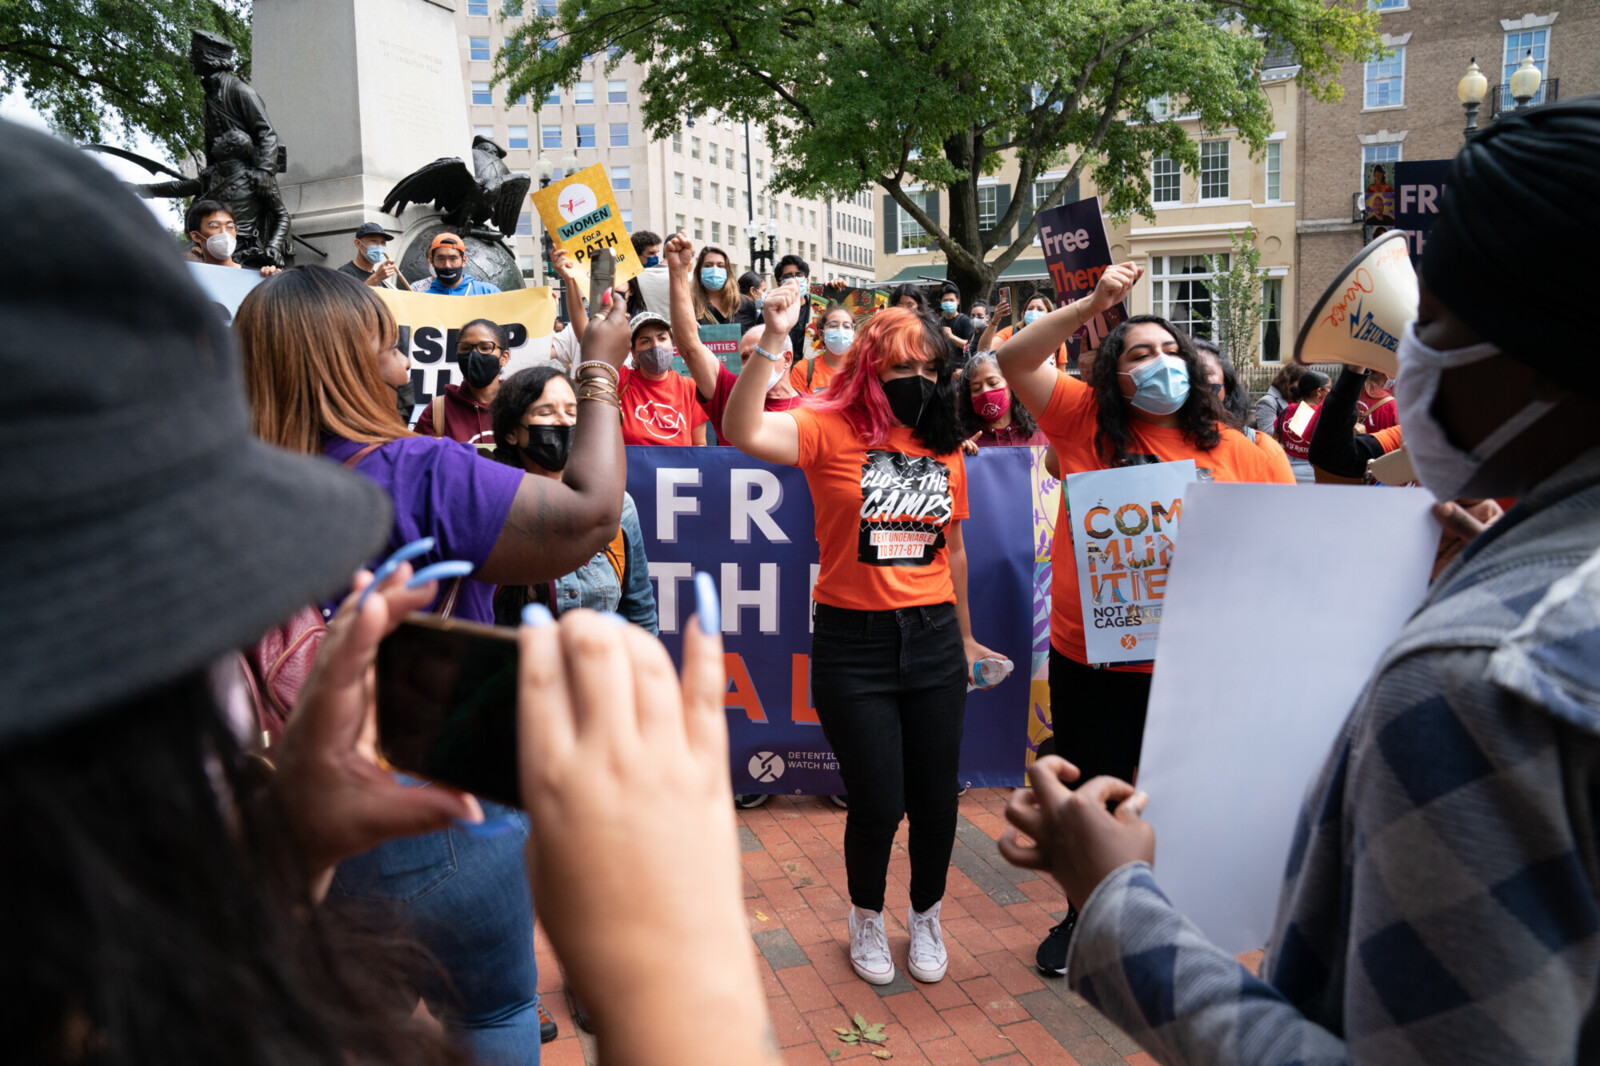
992	1006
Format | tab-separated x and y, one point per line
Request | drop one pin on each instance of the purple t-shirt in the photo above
441	489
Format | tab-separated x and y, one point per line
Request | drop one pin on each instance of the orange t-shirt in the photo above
881	514
1004	333
821	374
1070	421
658	412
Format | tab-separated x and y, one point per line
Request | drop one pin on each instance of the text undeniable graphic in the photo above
905	506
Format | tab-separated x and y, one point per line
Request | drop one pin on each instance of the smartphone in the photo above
1005	298
447	705
602	275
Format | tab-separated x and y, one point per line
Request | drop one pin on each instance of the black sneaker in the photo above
1052	957
751	801
547	1025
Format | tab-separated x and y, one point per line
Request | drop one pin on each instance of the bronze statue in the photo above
468	200
243	156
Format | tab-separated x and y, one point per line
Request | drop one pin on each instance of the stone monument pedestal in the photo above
362	92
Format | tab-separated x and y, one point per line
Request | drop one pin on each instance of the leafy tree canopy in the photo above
898	93
90	65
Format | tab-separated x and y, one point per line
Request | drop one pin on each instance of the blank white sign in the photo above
1280	601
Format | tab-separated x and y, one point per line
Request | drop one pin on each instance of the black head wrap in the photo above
1524	195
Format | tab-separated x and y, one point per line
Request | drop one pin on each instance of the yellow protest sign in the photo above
430	323
581	214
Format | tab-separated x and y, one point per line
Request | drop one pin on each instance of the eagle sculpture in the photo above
489	193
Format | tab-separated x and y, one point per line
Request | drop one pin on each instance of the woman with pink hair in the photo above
892	646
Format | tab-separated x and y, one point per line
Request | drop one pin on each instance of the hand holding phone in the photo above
602	276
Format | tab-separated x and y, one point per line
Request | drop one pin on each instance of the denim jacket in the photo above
1440	902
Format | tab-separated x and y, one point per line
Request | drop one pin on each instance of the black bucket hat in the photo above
145	530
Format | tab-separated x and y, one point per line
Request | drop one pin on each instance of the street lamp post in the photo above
544	168
1470	90
1525	81
762	257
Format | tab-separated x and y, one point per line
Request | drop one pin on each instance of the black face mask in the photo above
479	369
908	398
548	446
449	277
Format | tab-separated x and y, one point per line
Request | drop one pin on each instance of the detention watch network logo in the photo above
766	767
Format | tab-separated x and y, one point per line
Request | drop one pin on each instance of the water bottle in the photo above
987	673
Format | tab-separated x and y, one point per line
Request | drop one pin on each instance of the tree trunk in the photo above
962	225
974	285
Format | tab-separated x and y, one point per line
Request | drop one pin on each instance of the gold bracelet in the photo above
608	370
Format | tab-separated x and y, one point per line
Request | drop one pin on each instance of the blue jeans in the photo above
464	898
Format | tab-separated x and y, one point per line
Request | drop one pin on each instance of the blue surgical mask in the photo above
838	340
948	306
761	301
1028	317
777	376
374	253
651	260
713	278
1160	386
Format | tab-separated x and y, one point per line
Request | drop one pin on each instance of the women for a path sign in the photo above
1125	526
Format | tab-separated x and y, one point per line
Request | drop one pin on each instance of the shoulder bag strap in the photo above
360	454
438	415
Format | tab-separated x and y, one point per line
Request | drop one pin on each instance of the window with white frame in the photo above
619	135
677	224
516	137
627	219
547	9
481	94
1166	180
621	178
677	141
694	148
521	100
553	98
1388	5
1518	45
1213	170
913	238
1384	155
1274	171
583	92
727	159
759	168
697	190
1271	320
788	212
988	206
586	135
478	7
1180	291
550	136
478	49
525	224
677	182
716	232
699	229
1386	80
813	222
716	193
483	131
730	196
712	152
616	91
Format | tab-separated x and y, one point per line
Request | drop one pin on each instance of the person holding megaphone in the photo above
1134	406
1442	898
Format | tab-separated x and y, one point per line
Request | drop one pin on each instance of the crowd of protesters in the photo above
181	903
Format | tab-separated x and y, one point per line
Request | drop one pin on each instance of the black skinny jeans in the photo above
1098	717
890	692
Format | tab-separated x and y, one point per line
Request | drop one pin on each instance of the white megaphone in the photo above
1360	317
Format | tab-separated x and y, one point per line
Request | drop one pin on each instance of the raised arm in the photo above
678	254
769	435
986	338
1335	445
567	271
1025	359
556	526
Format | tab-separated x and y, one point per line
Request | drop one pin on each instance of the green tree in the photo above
93	65
901	93
1236	298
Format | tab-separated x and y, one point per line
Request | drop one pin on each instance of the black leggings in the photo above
890	692
1098	716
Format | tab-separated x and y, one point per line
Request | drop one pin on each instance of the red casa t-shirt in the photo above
658	412
882	514
718	404
1070	421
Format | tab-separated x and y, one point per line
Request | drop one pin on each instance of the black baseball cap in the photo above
371	229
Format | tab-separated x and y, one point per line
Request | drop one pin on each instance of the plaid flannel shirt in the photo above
1440	902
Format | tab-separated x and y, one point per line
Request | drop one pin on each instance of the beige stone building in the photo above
1404	107
704	179
1194	216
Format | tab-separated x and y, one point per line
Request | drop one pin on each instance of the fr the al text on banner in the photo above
430	325
750	525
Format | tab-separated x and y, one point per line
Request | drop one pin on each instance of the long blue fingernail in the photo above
440	572
706	604
614	618
537	614
402	554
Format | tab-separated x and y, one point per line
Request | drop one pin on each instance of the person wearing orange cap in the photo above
447	255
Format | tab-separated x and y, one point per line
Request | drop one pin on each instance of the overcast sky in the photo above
16	109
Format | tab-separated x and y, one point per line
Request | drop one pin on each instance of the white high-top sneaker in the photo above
869	947
927	960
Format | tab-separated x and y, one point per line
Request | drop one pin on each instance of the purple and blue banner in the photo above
750	525
1420	187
